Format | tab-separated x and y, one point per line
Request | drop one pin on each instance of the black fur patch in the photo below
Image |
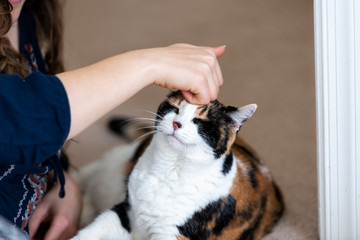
164	109
253	165
222	211
249	233
228	162
252	176
253	169
209	131
140	149
277	214
227	214
222	145
175	94
216	129
246	214
118	125
196	226
249	153
121	210
278	193
230	109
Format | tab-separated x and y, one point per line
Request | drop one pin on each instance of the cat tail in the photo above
127	128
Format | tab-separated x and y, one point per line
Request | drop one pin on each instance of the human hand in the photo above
193	70
61	214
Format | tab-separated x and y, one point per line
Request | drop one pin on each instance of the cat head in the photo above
212	127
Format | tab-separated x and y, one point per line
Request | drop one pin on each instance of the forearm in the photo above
95	90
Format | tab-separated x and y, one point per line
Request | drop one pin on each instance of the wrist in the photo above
145	63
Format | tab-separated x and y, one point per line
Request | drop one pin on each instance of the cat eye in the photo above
166	108
175	109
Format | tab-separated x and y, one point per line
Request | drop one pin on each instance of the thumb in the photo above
219	51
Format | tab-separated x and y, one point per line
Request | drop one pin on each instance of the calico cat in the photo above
193	179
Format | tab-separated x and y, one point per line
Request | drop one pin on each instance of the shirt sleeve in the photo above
34	118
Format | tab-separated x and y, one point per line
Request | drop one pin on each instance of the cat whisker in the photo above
141	128
160	128
153	113
143	119
134	121
146	134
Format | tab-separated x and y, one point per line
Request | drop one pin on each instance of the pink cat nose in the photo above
176	125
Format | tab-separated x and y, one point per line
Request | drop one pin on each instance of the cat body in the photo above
193	179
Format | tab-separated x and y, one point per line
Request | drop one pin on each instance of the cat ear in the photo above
241	115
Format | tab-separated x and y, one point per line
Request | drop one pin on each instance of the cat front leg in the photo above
106	226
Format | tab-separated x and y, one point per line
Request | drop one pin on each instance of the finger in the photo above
196	98
213	91
40	215
58	227
219	74
200	98
205	88
212	81
219	51
213	85
188	95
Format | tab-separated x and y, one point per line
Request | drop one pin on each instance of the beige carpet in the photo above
269	61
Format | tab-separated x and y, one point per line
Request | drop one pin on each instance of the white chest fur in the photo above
166	188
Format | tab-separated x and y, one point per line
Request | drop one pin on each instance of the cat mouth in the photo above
172	138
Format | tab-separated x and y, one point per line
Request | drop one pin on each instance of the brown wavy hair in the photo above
49	25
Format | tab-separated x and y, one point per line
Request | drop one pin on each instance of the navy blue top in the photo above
34	124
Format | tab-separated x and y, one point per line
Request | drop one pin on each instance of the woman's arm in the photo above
95	90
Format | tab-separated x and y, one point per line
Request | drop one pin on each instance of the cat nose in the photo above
176	125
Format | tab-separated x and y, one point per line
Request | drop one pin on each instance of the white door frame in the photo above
337	59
